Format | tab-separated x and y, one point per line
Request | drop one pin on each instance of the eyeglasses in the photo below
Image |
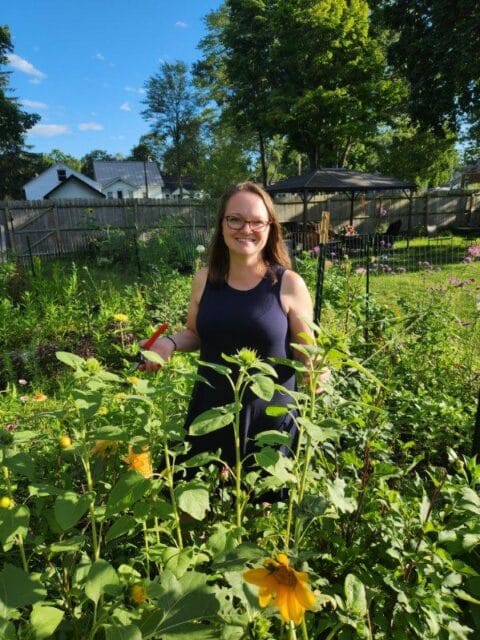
235	223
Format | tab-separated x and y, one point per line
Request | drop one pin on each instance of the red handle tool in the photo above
158	332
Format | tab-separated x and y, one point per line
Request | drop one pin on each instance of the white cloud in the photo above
49	130
34	104
99	56
139	90
20	64
180	24
90	126
125	107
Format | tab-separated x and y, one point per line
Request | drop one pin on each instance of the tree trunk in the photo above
261	145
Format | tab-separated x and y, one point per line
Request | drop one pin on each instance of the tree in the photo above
445	93
332	87
235	70
14	124
411	153
55	156
307	70
86	162
149	147
173	108
225	161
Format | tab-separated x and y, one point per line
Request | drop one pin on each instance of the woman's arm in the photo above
298	306
188	339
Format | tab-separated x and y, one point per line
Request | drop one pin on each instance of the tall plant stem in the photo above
304	630
19	537
147	548
293	494
238	462
308	450
173	500
88	473
291	632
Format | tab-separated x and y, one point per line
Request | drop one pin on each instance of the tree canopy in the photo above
14	124
172	107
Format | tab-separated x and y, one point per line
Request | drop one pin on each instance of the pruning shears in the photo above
140	359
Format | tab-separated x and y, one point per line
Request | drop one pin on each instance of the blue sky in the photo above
82	65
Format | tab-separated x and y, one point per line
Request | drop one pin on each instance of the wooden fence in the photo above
44	227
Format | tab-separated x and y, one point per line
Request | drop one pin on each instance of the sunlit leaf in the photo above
44	620
212	420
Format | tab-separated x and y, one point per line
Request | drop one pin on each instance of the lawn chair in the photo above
386	240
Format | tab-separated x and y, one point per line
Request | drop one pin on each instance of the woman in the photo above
247	297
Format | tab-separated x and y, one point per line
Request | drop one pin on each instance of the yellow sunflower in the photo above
138	594
140	462
104	448
283	587
39	397
120	317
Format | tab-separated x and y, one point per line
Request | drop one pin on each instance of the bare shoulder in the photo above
295	296
293	283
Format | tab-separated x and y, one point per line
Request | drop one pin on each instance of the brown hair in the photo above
274	252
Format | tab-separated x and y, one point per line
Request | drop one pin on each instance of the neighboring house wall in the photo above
73	189
132	177
42	184
119	189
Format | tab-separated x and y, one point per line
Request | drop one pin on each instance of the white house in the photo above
72	188
47	184
171	188
128	178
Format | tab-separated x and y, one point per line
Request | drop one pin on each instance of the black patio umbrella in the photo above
331	180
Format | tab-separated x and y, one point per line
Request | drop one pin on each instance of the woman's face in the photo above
250	239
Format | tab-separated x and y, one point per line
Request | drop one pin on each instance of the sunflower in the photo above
140	462
284	587
104	448
120	317
138	594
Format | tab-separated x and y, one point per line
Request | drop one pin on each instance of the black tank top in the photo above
229	319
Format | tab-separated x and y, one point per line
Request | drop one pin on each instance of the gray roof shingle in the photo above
132	171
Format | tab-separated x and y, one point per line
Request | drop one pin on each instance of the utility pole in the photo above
145	177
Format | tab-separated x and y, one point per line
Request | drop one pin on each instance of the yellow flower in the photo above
102	411
138	594
39	397
133	380
5	502
65	442
120	396
104	448
284	587
120	317
140	462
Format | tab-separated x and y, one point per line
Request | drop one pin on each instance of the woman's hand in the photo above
163	347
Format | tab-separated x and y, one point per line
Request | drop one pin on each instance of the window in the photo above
62	175
120	195
110	195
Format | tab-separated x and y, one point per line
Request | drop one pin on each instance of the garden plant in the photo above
369	528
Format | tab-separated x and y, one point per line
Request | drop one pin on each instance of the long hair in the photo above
274	252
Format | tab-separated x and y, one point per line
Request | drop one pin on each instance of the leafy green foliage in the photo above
377	501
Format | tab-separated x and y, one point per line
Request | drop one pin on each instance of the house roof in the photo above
71	179
117	179
61	165
134	172
171	183
330	180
